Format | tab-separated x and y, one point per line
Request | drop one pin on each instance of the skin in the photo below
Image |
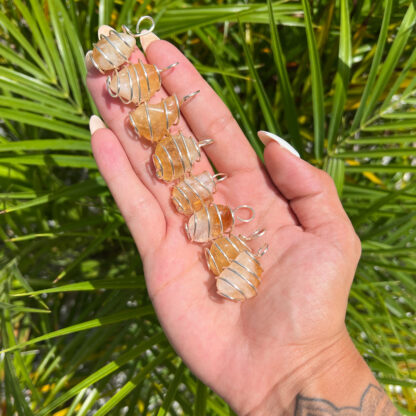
290	339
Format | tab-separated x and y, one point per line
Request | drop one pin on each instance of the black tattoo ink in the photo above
374	402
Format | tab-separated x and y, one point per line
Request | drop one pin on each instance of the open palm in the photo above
313	251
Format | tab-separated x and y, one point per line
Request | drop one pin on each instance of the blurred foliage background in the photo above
334	77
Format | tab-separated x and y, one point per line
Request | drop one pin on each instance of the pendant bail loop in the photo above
245	219
219	177
138	31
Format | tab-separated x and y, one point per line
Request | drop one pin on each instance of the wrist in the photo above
323	371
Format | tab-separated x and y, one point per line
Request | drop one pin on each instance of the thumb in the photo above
310	192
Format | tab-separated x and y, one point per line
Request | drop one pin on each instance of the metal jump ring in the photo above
169	67
109	90
262	250
89	56
253	235
219	177
243	219
144	31
205	142
189	96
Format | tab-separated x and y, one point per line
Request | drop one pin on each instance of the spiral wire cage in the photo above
241	239
180	154
134	82
219	177
111	46
218	214
231	268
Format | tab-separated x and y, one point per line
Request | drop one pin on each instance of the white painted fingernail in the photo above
88	64
104	30
95	124
266	137
146	40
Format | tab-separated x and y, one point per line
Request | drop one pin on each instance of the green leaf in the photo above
170	394
21	104
12	382
374	64
91	285
200	408
44	122
103	372
336	168
287	93
261	94
18	35
391	61
133	383
317	83
45	145
62	33
72	192
38	39
111	228
68	161
49	37
342	77
133	313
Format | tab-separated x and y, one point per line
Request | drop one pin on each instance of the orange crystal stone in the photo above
193	193
113	50
240	280
174	156
209	222
152	121
223	251
136	82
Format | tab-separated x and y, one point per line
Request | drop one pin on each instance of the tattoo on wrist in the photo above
374	402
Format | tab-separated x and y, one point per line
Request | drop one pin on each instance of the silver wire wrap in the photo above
138	31
242	239
113	46
185	159
232	269
217	211
192	190
134	83
234	216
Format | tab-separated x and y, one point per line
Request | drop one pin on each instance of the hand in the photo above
241	350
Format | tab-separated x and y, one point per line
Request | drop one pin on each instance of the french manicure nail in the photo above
88	63
95	124
266	137
147	39
104	30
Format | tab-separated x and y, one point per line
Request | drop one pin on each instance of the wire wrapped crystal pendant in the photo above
225	249
136	83
212	221
240	280
194	192
152	121
175	155
114	49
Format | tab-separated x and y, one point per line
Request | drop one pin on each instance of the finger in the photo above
311	194
139	152
139	208
206	114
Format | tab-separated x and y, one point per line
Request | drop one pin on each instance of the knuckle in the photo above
220	124
326	179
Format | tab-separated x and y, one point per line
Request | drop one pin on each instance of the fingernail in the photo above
104	30
88	63
146	40
95	124
266	137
